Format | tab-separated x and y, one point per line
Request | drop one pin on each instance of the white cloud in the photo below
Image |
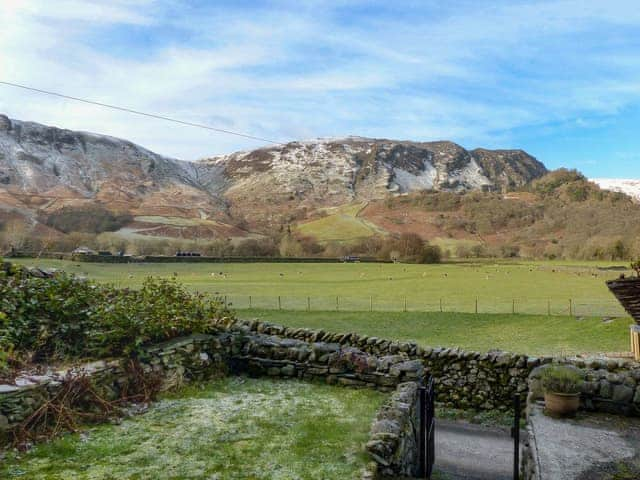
462	71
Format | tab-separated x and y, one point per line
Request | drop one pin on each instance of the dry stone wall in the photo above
393	445
483	381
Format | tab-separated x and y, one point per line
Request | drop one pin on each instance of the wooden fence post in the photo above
405	304
441	310
549	308
371	303
249	301
279	303
308	304
337	303
476	305
570	307
513	306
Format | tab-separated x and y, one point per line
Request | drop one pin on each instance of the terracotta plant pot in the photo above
561	404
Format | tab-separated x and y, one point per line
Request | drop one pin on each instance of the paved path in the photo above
472	452
590	446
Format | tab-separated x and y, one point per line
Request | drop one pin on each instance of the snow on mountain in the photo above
629	187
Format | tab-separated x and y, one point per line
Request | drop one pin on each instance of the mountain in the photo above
627	186
46	170
301	176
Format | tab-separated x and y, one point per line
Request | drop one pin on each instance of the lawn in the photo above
499	287
530	334
234	428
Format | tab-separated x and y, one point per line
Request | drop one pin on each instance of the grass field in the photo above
235	428
529	288
342	224
523	287
530	334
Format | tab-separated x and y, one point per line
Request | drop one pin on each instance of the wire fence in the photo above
532	306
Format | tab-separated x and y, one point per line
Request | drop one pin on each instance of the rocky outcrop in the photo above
341	170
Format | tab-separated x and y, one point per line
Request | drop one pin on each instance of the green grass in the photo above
535	286
236	428
342	224
530	334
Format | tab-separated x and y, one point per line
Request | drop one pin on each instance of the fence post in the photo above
513	306
279	303
249	301
405	304
225	301
441	310
549	308
371	303
308	304
337	303
570	307
476	305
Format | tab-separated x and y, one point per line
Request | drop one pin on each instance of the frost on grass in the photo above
235	428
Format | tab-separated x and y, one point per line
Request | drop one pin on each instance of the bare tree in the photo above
16	234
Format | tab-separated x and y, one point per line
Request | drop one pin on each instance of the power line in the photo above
137	112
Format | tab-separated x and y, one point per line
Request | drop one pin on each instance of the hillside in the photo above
60	188
284	183
63	179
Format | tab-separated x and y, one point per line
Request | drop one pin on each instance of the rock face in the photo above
341	170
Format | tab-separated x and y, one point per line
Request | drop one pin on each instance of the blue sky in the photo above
560	79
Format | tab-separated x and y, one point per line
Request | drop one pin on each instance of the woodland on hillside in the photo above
560	215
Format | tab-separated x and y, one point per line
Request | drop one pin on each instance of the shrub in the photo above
90	219
561	379
66	317
431	254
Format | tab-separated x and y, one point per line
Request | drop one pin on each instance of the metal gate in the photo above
515	434
427	429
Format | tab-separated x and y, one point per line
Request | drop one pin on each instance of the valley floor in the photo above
339	297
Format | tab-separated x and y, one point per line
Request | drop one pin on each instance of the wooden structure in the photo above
635	341
627	291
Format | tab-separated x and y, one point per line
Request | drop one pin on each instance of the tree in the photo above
431	254
17	234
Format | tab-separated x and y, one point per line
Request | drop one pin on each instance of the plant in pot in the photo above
561	385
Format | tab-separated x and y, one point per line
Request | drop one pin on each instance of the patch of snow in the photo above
627	186
408	182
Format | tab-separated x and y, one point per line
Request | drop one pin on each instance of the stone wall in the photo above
196	357
483	381
394	440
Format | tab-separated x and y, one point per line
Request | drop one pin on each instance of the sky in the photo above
559	79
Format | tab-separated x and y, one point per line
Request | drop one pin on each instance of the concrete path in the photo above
472	452
590	446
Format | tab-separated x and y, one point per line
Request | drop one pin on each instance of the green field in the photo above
342	224
282	292
234	428
532	288
530	334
